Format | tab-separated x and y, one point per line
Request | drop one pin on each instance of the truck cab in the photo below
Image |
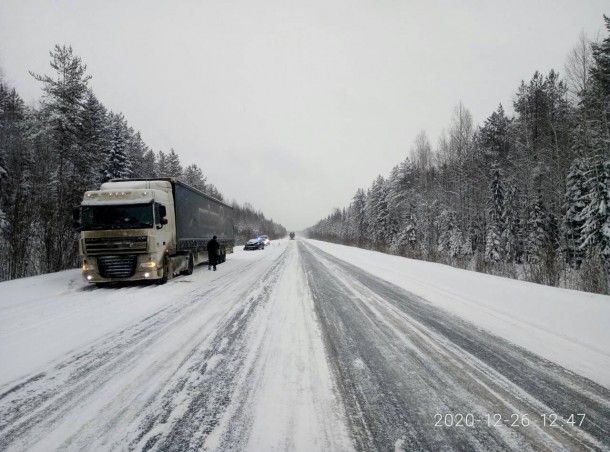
127	233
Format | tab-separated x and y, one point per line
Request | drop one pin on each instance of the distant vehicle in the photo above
255	244
265	239
149	229
292	236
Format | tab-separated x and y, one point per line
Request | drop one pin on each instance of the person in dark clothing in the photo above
213	250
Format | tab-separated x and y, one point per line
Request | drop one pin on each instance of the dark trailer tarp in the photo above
199	216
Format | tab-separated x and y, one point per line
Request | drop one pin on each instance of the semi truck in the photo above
149	230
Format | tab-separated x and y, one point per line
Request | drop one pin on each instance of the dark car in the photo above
255	244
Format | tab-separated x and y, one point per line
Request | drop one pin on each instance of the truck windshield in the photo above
117	217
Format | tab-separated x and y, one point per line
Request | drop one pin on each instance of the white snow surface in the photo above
284	380
280	378
568	327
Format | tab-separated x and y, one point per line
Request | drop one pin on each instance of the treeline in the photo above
51	154
524	195
250	223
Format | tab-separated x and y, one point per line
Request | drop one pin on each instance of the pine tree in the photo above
194	177
378	213
601	70
117	164
137	154
357	219
174	169
456	242
511	233
450	236
572	225
596	212
4	137
211	190
161	165
148	168
494	248
537	232
94	138
543	139
62	107
494	136
16	180
400	195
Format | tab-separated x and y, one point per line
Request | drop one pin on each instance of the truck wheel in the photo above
166	270
191	265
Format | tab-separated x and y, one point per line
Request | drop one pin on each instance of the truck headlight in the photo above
88	267
150	264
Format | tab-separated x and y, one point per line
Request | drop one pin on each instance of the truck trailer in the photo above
149	230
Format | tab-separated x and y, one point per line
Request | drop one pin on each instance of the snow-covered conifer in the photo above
450	239
161	165
173	166
511	232
494	246
537	235
596	212
572	224
494	135
117	164
94	135
137	153
194	177
148	168
378	213
358	224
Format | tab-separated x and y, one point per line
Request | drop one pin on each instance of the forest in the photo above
524	195
50	154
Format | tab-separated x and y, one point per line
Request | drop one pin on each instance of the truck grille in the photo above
131	245
117	266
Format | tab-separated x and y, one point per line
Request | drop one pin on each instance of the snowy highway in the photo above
288	348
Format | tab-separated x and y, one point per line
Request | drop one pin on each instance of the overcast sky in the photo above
292	106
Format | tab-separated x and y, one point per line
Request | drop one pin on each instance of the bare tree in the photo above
578	67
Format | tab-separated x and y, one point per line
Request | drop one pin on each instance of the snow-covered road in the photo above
409	372
289	348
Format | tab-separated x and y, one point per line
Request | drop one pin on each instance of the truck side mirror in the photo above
162	214
76	224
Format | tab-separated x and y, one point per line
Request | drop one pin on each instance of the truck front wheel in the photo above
166	270
191	265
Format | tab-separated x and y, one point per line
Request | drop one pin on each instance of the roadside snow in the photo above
568	327
44	317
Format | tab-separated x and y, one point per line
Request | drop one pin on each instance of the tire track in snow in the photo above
287	400
399	361
38	408
184	417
